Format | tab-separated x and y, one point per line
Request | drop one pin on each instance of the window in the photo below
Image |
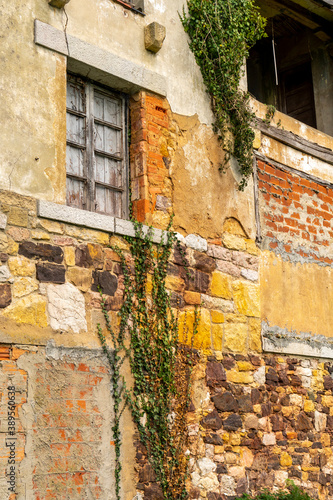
96	154
136	5
292	68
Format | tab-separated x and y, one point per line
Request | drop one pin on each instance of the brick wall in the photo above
296	215
150	158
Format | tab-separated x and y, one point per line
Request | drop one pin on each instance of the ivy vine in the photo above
148	336
221	33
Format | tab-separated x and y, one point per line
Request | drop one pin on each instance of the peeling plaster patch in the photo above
196	154
298	253
159	5
66	308
282	341
52	351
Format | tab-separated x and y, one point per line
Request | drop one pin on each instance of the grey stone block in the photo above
154	36
75	216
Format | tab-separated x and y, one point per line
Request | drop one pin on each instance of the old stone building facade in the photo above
260	260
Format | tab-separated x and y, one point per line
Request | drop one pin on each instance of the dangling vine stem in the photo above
221	33
148	336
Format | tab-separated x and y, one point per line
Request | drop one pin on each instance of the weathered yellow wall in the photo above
296	296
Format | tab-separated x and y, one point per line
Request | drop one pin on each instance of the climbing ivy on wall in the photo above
148	337
221	33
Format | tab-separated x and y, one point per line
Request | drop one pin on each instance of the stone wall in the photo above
261	420
255	419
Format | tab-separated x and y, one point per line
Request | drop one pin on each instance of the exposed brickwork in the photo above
68	417
13	389
150	158
296	215
70	434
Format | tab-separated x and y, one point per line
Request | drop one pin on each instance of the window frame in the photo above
90	150
130	4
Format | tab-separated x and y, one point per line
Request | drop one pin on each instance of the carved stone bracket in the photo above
154	36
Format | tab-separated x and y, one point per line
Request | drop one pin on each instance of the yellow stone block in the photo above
21	266
221	285
37	234
251	247
325	440
87	234
255	334
52	226
257	139
244	366
217	335
233	242
160	219
235	318
193	298
202	339
69	253
257	408
285	459
239	377
226	437
30	309
217	316
80	277
218	450
233	226
327	401
12	247
246	297
18	217
309	405
235	439
115	241
235	337
174	283
24	286
3	242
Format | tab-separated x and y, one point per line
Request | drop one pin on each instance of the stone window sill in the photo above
92	220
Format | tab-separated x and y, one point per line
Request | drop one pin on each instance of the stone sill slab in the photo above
93	220
281	341
109	224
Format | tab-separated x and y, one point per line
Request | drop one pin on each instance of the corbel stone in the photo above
59	4
154	36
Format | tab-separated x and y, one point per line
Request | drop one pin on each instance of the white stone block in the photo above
320	421
249	274
269	439
259	375
66	308
3	221
5	274
206	465
196	242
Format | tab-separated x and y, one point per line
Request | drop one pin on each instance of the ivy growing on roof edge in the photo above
221	33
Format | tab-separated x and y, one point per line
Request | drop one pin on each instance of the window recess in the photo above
96	153
292	69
